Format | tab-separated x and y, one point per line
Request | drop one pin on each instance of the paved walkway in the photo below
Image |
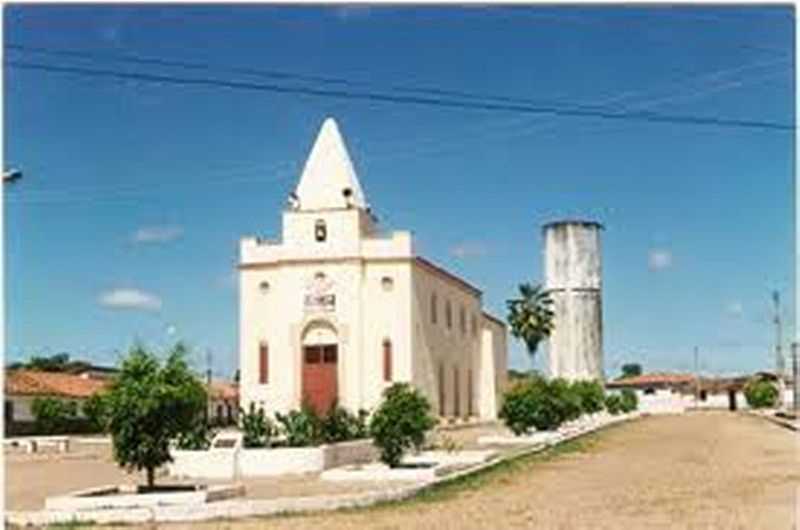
700	470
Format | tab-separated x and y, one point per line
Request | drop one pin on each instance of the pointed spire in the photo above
329	174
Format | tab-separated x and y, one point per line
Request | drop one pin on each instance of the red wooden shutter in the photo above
263	364
387	360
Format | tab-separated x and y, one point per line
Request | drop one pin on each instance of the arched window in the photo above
448	314
462	320
434	308
263	363
387	360
470	395
456	393
320	231
474	326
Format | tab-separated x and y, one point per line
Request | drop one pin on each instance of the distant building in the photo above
22	387
223	402
337	310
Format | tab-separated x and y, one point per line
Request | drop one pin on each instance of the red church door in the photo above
320	376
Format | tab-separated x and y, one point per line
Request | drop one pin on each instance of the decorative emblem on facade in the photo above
319	295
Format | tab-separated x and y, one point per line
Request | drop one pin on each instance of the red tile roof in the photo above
224	390
35	383
655	379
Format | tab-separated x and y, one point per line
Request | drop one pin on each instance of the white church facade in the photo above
338	310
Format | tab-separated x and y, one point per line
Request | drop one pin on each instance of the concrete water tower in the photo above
573	277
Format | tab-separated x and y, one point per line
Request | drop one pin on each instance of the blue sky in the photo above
126	224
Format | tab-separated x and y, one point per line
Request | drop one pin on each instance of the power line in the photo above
378	97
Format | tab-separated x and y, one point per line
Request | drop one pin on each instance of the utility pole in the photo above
209	358
780	365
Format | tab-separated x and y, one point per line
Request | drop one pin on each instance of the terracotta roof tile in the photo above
653	379
35	383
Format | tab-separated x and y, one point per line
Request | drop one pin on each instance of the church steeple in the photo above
328	179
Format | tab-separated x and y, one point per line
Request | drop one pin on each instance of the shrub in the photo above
53	415
567	399
614	404
760	394
196	438
591	395
400	423
302	427
537	403
257	428
96	411
628	399
149	405
340	425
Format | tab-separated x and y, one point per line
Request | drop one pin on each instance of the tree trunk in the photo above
151	477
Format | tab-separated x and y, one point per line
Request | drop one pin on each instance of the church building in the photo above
338	309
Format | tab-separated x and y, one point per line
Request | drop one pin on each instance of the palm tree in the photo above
531	316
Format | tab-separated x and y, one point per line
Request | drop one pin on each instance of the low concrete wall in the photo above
347	453
280	461
203	464
233	463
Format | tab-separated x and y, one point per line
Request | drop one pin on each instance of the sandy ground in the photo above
700	470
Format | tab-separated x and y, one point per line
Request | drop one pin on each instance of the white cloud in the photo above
469	249
659	259
734	309
171	330
130	299
157	234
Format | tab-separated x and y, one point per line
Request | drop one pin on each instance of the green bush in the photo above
567	400
340	425
400	423
614	404
53	415
257	428
303	428
533	403
196	438
629	400
761	394
96	411
591	395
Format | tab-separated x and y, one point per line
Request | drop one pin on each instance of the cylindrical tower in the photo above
573	277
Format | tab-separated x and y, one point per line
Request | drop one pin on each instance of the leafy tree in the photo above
197	438
631	370
149	405
761	394
95	408
531	316
400	423
59	362
52	416
257	428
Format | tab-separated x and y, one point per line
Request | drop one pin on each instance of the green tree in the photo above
96	411
591	394
257	429
400	423
631	369
52	416
149	405
531	316
761	394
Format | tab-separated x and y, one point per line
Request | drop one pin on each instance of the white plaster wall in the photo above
494	363
436	345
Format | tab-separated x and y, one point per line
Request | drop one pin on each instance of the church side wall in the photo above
494	363
443	352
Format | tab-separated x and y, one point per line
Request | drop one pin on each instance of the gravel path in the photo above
700	470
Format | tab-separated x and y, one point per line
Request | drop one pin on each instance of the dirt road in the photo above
700	470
